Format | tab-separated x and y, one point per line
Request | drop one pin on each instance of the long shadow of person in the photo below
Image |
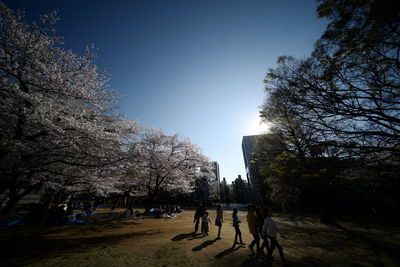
226	252
204	245
195	236
182	236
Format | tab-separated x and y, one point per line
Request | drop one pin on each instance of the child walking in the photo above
270	229
204	225
219	219
235	223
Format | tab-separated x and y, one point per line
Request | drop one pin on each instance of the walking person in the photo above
270	229
265	243
235	224
204	225
198	215
252	222
219	219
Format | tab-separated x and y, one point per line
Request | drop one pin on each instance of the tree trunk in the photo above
11	202
152	196
328	213
14	198
150	201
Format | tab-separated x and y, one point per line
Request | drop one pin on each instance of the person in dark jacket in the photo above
198	215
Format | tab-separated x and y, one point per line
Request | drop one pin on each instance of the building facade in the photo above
241	190
248	145
225	192
216	182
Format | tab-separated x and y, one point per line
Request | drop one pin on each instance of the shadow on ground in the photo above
204	245
33	243
340	244
226	252
381	244
183	236
141	242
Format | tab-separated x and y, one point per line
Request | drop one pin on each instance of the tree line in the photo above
61	133
335	142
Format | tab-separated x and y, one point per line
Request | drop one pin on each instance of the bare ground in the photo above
170	242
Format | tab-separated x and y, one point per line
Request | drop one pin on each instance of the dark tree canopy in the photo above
337	112
347	91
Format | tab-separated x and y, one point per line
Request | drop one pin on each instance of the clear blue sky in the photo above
189	67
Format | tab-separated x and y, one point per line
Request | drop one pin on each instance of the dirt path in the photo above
170	242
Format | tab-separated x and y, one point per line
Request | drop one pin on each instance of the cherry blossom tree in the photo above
59	126
165	163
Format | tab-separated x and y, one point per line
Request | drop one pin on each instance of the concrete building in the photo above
225	191
217	181
248	146
241	190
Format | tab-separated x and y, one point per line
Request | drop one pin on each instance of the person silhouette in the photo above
270	229
219	219
235	224
205	221
252	222
198	215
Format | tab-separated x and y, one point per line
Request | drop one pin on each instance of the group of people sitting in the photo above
163	212
260	223
58	214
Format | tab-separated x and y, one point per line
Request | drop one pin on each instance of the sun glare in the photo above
256	126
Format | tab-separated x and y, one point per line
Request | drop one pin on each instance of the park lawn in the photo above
170	242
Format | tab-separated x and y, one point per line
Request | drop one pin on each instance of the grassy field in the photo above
170	242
